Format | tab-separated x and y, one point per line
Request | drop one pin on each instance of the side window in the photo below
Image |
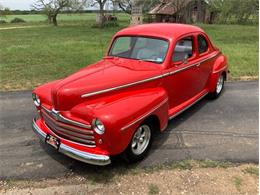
121	45
202	44
183	49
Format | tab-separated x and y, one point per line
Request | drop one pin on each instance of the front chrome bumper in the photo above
86	157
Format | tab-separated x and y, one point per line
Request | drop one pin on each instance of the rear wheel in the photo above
219	87
140	143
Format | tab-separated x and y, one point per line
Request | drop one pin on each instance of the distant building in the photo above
136	15
182	11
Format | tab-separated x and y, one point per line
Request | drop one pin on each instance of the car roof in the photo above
163	30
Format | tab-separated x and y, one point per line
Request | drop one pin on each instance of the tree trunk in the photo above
49	19
101	12
101	15
54	20
199	11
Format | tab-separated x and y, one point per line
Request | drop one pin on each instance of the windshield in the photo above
140	48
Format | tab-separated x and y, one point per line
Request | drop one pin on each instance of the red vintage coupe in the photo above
151	73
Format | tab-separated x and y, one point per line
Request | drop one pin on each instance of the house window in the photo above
202	44
183	49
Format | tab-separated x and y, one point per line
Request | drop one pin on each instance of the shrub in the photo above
2	22
147	18
18	20
111	24
106	24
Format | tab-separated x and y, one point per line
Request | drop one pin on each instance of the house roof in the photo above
169	7
162	30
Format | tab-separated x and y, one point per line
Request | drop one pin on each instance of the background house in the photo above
182	11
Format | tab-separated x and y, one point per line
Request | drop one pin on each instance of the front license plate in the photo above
53	141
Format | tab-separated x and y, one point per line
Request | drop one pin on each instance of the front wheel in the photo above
140	143
219	87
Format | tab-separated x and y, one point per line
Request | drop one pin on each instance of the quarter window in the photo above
202	44
183	49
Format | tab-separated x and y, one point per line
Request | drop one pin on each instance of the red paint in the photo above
121	107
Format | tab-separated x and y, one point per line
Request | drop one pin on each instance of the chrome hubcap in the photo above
141	139
220	84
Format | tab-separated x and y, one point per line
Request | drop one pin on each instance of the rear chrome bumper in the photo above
86	157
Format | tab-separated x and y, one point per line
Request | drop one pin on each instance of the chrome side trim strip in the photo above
120	87
217	71
184	68
148	79
192	65
66	120
95	159
176	114
145	115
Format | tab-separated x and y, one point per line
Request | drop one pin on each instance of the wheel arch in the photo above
220	67
225	75
123	116
154	120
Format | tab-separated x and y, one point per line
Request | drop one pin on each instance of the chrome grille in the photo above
67	131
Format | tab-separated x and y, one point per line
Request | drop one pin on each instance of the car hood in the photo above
105	74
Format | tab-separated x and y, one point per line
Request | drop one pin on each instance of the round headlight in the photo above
36	99
98	126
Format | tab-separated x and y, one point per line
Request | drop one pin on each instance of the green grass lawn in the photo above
240	44
32	56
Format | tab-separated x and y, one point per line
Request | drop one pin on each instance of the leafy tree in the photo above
4	11
2	14
53	7
240	11
126	5
179	5
244	9
101	5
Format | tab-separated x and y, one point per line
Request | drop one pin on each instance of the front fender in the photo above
44	92
220	66
124	114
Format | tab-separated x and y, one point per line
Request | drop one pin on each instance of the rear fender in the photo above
220	67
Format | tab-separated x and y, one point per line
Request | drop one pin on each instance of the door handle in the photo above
198	64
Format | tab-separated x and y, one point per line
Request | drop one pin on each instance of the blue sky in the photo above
17	4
